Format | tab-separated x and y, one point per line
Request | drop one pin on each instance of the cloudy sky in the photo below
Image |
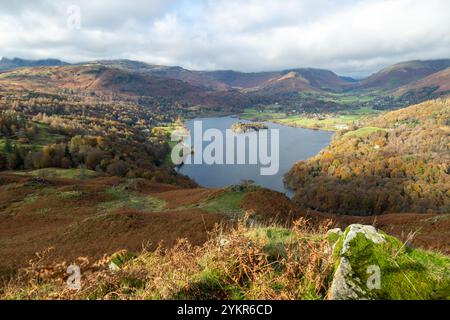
351	37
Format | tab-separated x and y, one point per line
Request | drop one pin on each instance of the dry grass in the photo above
242	263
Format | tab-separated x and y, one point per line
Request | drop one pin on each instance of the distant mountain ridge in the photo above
292	80
306	79
11	64
428	76
98	78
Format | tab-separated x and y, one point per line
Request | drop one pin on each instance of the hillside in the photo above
436	83
403	73
85	180
300	90
108	133
295	80
92	77
307	79
397	162
292	80
324	79
96	78
195	78
115	80
115	218
10	64
310	89
236	79
388	78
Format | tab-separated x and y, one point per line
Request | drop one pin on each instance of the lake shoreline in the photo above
309	143
255	119
288	124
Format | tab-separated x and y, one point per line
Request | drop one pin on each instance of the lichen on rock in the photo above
333	235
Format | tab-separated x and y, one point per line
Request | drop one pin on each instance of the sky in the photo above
350	37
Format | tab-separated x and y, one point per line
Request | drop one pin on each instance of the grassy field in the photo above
42	138
349	99
356	105
363	132
228	202
123	199
329	122
268	114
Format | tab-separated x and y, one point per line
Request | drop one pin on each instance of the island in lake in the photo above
244	127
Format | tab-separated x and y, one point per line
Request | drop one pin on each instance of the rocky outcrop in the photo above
373	265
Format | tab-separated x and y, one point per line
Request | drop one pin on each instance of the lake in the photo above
295	144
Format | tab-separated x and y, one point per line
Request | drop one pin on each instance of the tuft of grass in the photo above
363	132
125	199
276	240
228	202
30	198
70	195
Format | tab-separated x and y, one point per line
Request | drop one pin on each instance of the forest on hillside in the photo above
111	134
396	162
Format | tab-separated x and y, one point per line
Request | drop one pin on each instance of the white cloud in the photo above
350	36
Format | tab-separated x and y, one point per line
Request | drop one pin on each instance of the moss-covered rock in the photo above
373	265
334	235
